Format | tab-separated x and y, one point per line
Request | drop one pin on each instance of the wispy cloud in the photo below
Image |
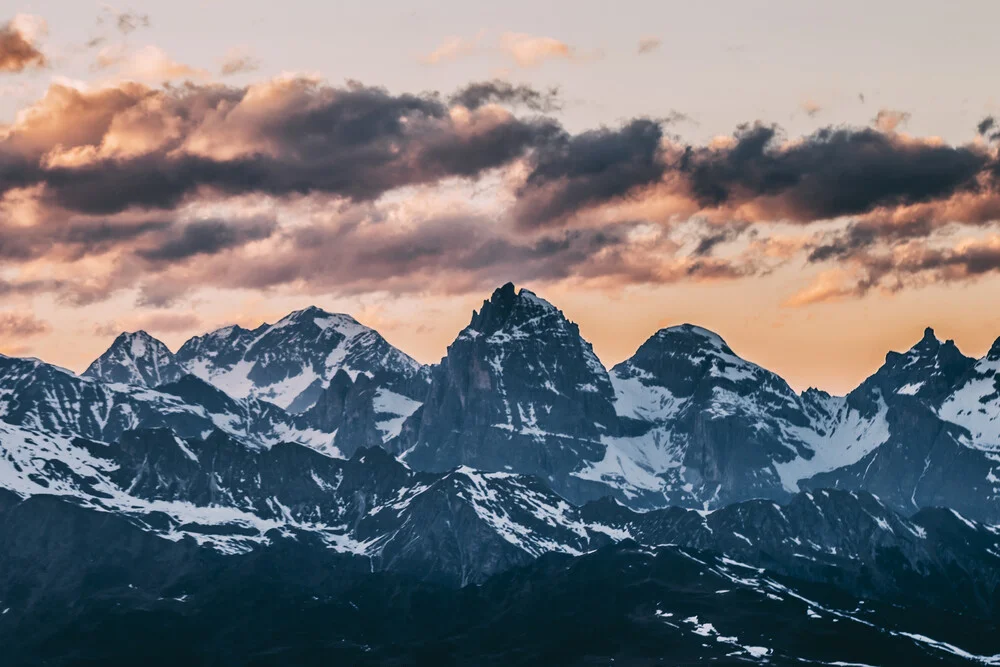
149	64
19	43
648	45
125	21
811	107
889	120
524	50
238	61
533	50
453	48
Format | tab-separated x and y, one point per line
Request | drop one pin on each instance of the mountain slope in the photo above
54	401
926	460
519	390
974	401
706	427
624	604
462	526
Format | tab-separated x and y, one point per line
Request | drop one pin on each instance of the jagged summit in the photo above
287	363
928	370
519	390
509	307
136	358
290	362
929	344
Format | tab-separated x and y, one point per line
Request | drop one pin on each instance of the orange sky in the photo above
832	346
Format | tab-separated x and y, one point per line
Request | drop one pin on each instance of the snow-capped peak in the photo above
136	358
320	318
695	333
928	370
535	300
518	313
290	362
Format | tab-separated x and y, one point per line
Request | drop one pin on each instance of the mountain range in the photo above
158	484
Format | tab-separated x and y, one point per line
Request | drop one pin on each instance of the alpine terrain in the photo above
306	493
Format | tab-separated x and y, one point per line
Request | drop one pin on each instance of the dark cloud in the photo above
295	138
21	325
921	265
299	137
208	237
447	253
154	240
72	239
717	236
988	129
861	236
119	171
497	91
832	173
573	172
18	51
713	268
30	287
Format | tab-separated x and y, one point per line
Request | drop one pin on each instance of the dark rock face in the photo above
328	411
519	390
365	412
928	371
137	359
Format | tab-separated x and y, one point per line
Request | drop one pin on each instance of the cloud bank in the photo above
294	182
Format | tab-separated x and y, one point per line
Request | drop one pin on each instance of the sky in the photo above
816	182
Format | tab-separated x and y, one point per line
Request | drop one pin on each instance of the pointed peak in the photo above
140	334
508	302
321	318
304	313
505	292
138	344
508	294
693	332
929	336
